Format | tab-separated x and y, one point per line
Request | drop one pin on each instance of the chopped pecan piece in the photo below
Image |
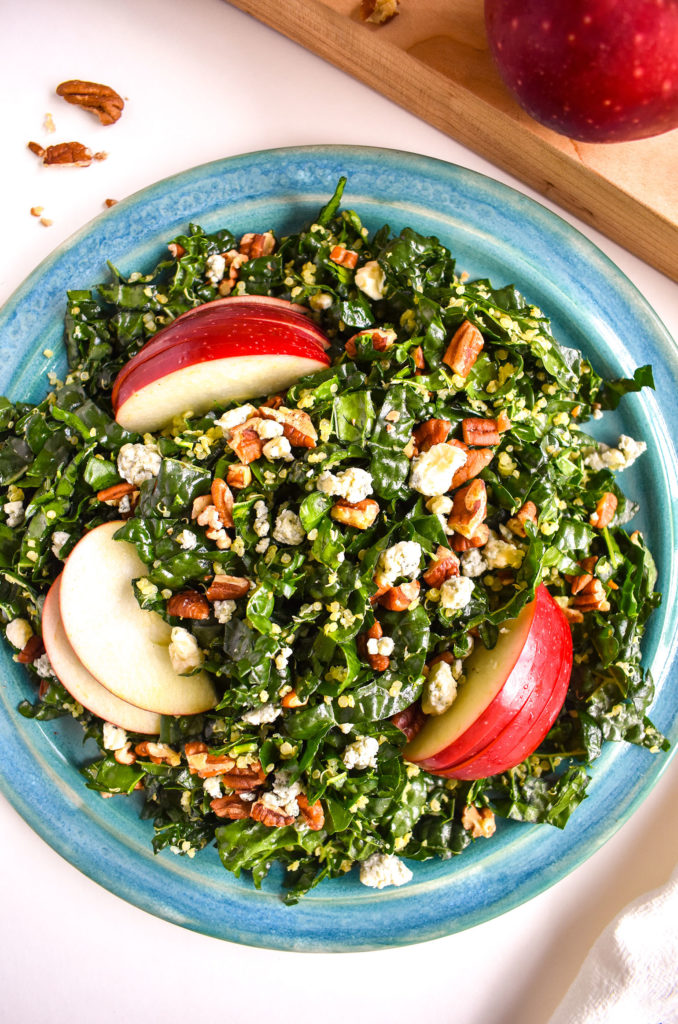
73	153
503	422
33	650
592	597
431	432
242	779
605	510
444	566
115	492
268	816
255	245
233	807
380	341
478	431
344	257
291	700
313	814
189	604
527	512
580	583
297	425
375	632
246	443
479	821
469	508
378	12
399	599
227	588
157	753
125	755
238	476
222	500
464	349
234	261
418	357
478	540
476	461
200	504
573	615
176	250
409	721
100	99
359	514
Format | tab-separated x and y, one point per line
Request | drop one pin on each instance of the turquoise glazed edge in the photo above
494	232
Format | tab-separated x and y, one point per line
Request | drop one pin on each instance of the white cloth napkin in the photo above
630	976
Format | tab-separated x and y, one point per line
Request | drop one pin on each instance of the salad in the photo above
365	586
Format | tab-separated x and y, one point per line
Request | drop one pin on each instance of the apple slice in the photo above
80	683
526	659
213	356
124	647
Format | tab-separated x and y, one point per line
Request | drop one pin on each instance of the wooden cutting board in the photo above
433	60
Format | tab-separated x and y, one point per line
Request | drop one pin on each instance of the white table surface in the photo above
205	81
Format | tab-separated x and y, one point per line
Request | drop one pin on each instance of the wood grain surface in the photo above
433	60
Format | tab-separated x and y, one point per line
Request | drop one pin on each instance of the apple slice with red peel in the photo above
123	646
527	659
220	354
80	683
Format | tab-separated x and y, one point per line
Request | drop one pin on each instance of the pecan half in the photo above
33	650
477	431
246	443
232	807
605	510
73	153
431	432
527	512
313	814
227	588
238	476
476	461
222	499
100	99
444	566
189	604
399	599
242	779
359	514
478	540
469	508
409	721
268	816
254	245
592	597
465	347
297	425
344	257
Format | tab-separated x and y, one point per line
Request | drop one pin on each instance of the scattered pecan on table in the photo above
100	99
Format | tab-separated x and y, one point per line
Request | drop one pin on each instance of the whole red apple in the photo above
595	70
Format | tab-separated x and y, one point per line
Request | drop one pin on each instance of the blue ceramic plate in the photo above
494	232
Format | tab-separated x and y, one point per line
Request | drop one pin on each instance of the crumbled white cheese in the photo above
320	301
138	462
499	554
234	417
212	787
282	657
215	268
183	651
223	611
288	528
283	796
352	484
262	545
371	280
43	667
400	560
19	632
616	459
440	505
362	753
278	448
472	563
115	738
14	510
440	689
456	593
261	524
266	429
186	540
432	471
382	645
382	869
59	538
263	715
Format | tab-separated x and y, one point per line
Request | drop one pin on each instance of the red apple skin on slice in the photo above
524	734
499	685
80	683
123	646
199	375
221	319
